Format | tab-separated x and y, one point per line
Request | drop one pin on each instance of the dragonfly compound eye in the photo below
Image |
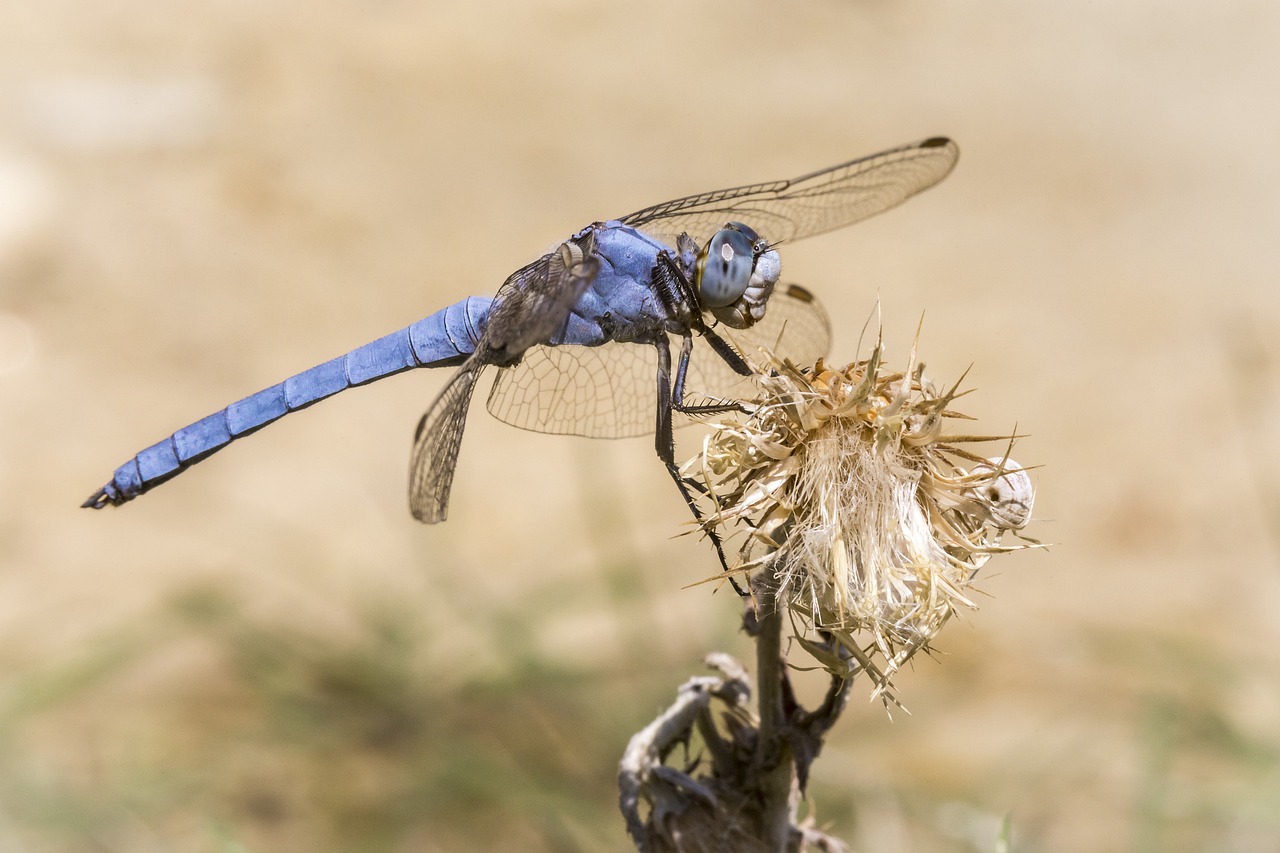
724	268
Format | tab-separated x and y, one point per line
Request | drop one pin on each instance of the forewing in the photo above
611	391
810	204
533	304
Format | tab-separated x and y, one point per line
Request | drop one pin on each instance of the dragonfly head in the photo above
734	275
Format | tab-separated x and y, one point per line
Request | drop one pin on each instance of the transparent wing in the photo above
795	327
611	391
436	444
533	304
811	204
608	391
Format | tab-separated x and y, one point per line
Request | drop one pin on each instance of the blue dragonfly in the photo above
583	336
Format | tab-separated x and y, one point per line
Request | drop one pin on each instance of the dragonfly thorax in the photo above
734	275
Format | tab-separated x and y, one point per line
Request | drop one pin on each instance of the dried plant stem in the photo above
862	525
774	757
753	762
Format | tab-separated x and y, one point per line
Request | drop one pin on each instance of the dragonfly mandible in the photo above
583	336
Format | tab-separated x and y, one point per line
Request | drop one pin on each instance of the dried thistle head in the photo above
870	520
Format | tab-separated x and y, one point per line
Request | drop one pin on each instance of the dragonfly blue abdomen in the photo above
445	338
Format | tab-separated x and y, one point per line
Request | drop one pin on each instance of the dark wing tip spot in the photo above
799	293
936	142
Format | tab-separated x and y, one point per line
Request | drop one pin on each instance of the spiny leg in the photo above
666	443
731	358
677	294
704	409
727	352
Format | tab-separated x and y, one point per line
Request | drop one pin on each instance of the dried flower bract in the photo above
871	520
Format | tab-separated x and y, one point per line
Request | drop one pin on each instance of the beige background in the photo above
198	199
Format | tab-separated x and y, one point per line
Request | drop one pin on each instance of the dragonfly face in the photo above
734	275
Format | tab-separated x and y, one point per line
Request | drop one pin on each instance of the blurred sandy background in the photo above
198	199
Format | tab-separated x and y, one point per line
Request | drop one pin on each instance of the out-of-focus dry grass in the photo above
199	199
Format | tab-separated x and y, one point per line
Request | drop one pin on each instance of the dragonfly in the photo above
582	338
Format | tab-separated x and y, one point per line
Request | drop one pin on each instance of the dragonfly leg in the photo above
730	357
676	292
728	353
665	438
